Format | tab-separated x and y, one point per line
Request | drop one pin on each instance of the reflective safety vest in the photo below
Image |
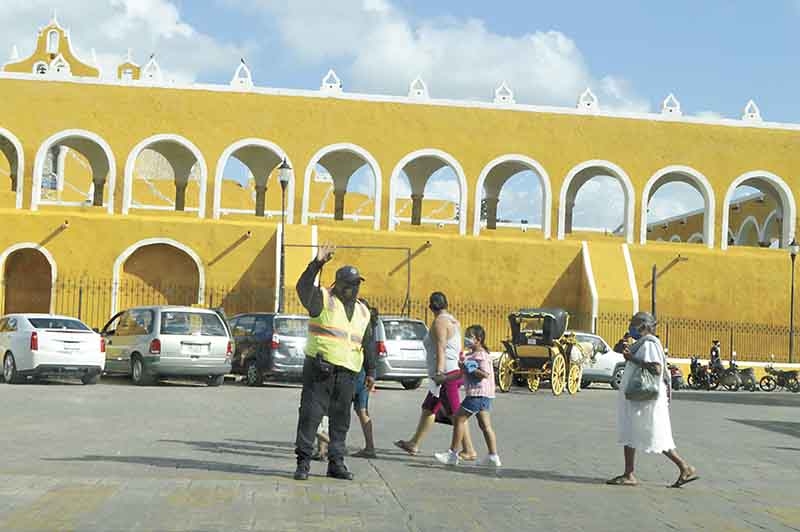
336	337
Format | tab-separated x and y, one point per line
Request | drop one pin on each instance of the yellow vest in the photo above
338	339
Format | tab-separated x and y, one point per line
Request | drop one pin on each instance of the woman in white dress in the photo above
645	425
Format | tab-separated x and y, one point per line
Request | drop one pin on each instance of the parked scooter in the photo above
729	379
776	378
676	377
699	377
747	376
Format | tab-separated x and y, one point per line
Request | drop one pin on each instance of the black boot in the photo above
301	473
339	470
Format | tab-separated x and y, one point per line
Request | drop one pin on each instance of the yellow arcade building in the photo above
124	188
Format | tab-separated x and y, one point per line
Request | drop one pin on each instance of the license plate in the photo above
71	347
194	349
413	355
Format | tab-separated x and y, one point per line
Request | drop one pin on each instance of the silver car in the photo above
401	354
149	343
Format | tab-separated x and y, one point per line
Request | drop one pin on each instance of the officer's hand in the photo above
325	252
370	383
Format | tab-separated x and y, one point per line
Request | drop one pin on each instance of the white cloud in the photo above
384	49
113	26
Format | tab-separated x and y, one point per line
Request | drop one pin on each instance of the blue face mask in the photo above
634	332
469	343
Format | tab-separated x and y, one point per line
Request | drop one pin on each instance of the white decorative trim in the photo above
626	253
751	220
701	184
614	171
20	164
588	101
125	255
503	94
589	272
331	83
14	56
671	106
41	156
47	255
242	78
151	71
765	225
130	165
544	179
418	90
675	238
368	159
447	159
225	157
788	206
695	238
751	112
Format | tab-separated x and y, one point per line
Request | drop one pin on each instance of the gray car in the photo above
401	354
149	343
269	346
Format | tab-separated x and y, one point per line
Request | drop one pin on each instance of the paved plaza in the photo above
184	457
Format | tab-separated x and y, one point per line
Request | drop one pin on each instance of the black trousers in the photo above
330	394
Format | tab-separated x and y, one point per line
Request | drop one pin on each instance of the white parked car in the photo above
43	345
605	364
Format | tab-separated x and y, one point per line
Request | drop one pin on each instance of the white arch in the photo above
675	238
765	225
750	220
697	237
544	178
225	157
703	186
788	205
9	136
47	255
361	152
130	165
41	157
125	255
614	171
450	161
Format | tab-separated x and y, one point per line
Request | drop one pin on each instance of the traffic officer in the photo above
339	343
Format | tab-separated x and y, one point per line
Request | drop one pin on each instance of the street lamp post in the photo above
284	176
794	249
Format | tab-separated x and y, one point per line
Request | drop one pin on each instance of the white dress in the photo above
645	425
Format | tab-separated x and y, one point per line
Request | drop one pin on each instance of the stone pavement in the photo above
183	457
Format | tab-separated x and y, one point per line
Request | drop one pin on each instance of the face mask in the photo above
469	343
347	292
634	332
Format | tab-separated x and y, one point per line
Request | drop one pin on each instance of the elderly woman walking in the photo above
643	404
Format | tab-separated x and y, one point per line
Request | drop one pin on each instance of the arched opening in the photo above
513	191
675	238
74	168
52	42
247	183
771	230
28	279
428	187
696	238
756	194
157	272
12	164
165	173
342	182
678	199
578	208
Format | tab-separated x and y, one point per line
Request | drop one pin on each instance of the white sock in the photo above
493	455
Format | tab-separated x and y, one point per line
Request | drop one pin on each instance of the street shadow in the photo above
740	398
505	472
788	448
789	428
178	463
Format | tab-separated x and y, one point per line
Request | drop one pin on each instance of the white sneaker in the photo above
491	460
447	458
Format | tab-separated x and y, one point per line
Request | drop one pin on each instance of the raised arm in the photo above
309	293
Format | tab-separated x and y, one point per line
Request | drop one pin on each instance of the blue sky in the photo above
714	55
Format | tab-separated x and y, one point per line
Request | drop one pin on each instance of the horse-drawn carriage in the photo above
540	349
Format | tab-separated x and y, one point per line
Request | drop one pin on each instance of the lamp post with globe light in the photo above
794	249
284	176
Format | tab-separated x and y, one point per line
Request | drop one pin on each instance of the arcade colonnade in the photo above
188	184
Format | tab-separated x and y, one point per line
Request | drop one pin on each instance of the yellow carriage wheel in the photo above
505	372
558	374
574	379
533	381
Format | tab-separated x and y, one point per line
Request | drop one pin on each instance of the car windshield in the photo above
404	330
291	326
191	323
58	323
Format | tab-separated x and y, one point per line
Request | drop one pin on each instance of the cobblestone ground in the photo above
184	457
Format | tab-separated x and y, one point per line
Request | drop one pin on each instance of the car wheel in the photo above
10	374
139	374
616	379
90	378
411	384
253	377
216	380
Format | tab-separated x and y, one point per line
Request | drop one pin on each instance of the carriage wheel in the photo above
505	372
558	374
533	381
574	380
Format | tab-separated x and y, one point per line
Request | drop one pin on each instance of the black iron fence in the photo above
90	300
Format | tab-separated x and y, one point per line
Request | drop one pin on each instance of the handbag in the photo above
642	385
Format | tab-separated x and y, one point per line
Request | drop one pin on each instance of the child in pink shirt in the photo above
479	388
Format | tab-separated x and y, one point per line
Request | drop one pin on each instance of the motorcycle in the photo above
676	377
699	377
776	378
747	377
